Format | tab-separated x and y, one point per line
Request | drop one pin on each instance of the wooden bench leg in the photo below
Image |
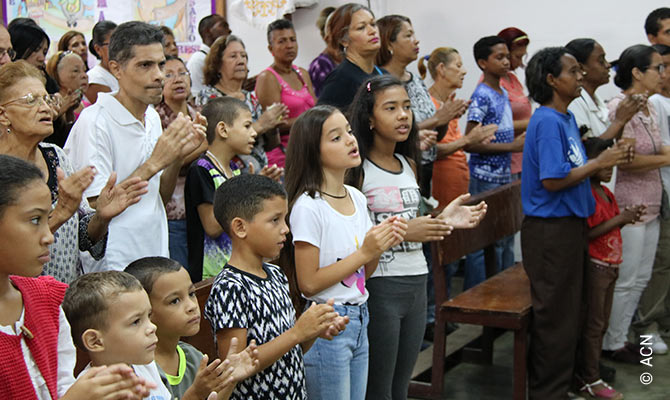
520	354
439	346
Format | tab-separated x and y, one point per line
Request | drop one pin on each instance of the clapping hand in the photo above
461	216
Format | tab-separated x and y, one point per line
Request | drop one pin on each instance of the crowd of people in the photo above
124	184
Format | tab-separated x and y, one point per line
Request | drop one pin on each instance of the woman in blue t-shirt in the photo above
556	199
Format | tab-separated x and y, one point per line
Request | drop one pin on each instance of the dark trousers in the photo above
554	254
599	281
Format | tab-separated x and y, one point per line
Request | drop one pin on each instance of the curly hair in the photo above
214	58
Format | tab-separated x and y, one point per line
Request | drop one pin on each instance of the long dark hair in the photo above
359	115
303	174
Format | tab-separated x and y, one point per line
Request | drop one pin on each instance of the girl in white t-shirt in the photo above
382	120
336	246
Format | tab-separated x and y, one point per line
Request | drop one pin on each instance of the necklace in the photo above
217	163
346	193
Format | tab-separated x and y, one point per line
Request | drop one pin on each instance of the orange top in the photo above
451	175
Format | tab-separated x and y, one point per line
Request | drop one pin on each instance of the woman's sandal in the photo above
605	392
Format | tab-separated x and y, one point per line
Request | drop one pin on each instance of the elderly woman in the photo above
225	72
69	71
353	31
31	43
99	77
176	91
285	83
25	120
76	43
330	57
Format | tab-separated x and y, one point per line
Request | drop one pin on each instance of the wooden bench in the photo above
500	302
204	339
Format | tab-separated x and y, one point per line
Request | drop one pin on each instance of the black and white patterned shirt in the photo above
263	307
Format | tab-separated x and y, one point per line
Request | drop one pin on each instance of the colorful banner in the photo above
59	16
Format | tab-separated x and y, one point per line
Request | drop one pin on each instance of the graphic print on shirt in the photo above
384	202
575	154
357	278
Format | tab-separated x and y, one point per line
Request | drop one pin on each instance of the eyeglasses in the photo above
660	68
31	100
182	74
10	52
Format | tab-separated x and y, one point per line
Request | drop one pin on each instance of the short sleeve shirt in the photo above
108	137
101	76
553	147
189	362
263	307
609	246
422	108
336	236
490	107
205	253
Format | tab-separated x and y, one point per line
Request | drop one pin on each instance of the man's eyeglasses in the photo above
31	100
10	52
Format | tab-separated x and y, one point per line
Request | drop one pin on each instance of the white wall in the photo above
459	24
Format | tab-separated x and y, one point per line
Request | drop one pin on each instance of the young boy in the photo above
250	298
109	318
490	162
176	314
229	132
605	252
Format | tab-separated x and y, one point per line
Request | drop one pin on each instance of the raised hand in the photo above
339	324
427	139
618	154
114	199
171	143
214	377
481	134
384	235
271	171
198	129
427	229
633	214
314	321
109	383
461	216
70	191
629	106
519	142
451	109
272	117
245	363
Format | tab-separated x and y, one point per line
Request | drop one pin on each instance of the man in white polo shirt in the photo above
121	133
210	28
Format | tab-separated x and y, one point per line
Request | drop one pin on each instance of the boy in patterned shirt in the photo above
490	162
250	298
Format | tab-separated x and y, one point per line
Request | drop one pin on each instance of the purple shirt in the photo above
319	69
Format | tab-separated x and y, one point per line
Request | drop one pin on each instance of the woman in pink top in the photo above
639	73
285	83
517	42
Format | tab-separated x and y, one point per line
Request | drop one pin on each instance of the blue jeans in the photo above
475	269
338	369
177	241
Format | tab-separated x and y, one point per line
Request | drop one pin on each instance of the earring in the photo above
391	51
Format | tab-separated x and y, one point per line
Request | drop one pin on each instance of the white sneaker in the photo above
658	345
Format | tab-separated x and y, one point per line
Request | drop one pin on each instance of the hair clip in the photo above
368	86
426	57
